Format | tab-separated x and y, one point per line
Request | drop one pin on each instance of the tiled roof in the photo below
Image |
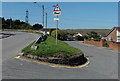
117	28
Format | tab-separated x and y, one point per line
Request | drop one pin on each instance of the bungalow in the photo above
80	34
77	34
114	35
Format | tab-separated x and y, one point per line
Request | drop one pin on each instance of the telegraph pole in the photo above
46	23
43	15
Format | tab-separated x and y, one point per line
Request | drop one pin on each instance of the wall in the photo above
96	43
112	45
118	36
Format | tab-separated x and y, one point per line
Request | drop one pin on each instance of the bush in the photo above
85	37
61	35
106	44
37	26
79	38
95	36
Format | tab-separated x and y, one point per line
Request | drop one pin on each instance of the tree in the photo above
94	35
14	24
37	26
4	25
17	22
79	38
85	37
3	20
61	35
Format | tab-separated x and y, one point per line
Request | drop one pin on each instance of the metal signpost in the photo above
57	12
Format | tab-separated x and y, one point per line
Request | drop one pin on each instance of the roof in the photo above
117	28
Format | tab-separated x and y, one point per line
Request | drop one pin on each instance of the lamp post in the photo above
42	13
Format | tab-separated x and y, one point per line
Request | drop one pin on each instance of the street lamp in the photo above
42	13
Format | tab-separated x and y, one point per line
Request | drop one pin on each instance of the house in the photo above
77	34
48	30
80	34
103	36
114	35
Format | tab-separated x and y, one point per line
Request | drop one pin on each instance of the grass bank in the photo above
84	31
48	48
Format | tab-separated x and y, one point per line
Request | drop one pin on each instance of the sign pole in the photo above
57	11
56	31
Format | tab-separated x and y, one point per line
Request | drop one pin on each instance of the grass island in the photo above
61	54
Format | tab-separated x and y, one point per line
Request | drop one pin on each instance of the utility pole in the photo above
26	17
43	15
46	23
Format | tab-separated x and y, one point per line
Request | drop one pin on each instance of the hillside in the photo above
84	31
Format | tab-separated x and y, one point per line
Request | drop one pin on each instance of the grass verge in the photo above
48	48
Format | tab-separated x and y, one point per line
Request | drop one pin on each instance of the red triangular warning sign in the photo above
57	8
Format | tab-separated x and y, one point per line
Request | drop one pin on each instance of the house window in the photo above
118	38
110	38
118	33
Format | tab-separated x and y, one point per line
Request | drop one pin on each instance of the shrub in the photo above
79	38
106	44
61	35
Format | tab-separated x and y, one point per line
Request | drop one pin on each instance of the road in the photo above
103	62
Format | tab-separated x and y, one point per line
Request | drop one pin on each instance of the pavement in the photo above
5	34
103	62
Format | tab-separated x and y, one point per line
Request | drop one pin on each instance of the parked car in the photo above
69	39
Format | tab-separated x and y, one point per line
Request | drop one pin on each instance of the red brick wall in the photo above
96	43
112	45
113	34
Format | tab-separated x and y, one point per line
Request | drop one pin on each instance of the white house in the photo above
78	34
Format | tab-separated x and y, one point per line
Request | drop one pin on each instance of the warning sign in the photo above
57	10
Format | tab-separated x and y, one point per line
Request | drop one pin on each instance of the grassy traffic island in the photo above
61	54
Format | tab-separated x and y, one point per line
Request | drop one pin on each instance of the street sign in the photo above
57	10
56	19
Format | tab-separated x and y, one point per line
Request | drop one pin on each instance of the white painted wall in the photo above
118	36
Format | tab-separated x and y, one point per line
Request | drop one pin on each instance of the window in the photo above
110	38
118	33
118	38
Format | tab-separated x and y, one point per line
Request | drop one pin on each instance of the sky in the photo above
74	15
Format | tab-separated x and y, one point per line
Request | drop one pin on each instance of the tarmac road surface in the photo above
103	62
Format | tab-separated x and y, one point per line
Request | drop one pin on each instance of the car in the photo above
69	39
